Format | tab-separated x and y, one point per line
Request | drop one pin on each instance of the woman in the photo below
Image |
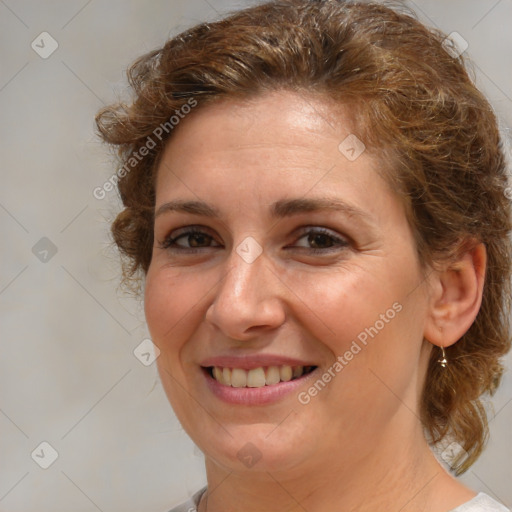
314	195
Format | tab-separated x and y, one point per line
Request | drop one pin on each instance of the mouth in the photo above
263	376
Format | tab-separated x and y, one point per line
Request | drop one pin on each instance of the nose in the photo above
248	299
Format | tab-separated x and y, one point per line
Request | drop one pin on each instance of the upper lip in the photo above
254	361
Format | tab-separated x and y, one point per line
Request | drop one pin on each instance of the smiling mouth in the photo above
257	377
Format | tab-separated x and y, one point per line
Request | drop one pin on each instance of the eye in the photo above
321	240
193	239
194	236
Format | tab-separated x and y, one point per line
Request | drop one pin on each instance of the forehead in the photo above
280	125
271	144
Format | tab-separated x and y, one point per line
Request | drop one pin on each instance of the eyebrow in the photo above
279	209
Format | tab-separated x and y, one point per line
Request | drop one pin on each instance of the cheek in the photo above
338	307
380	334
368	314
170	303
172	308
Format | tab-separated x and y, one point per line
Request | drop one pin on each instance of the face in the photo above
284	291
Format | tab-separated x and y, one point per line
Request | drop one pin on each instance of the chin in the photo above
251	448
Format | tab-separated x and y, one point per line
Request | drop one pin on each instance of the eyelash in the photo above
169	243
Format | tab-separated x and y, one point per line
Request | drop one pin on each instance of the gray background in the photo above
68	373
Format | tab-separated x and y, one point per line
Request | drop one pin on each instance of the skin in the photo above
358	444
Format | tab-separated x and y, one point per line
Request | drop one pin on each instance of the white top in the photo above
480	503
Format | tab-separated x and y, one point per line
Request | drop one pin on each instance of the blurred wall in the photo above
69	376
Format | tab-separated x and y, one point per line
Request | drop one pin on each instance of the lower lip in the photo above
255	396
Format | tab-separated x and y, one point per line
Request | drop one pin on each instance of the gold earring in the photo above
443	362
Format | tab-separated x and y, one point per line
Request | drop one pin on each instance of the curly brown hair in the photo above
415	106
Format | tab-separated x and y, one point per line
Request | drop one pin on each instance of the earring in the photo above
443	362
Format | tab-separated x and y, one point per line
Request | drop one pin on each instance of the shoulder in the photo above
191	504
482	503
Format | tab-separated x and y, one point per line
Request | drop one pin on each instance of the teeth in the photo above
257	377
226	377
217	374
272	375
238	378
298	371
286	373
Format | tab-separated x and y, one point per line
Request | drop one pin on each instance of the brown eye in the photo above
191	238
195	239
321	240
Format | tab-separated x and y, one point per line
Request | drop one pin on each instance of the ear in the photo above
455	297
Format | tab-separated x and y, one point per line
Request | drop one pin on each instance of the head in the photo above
272	104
